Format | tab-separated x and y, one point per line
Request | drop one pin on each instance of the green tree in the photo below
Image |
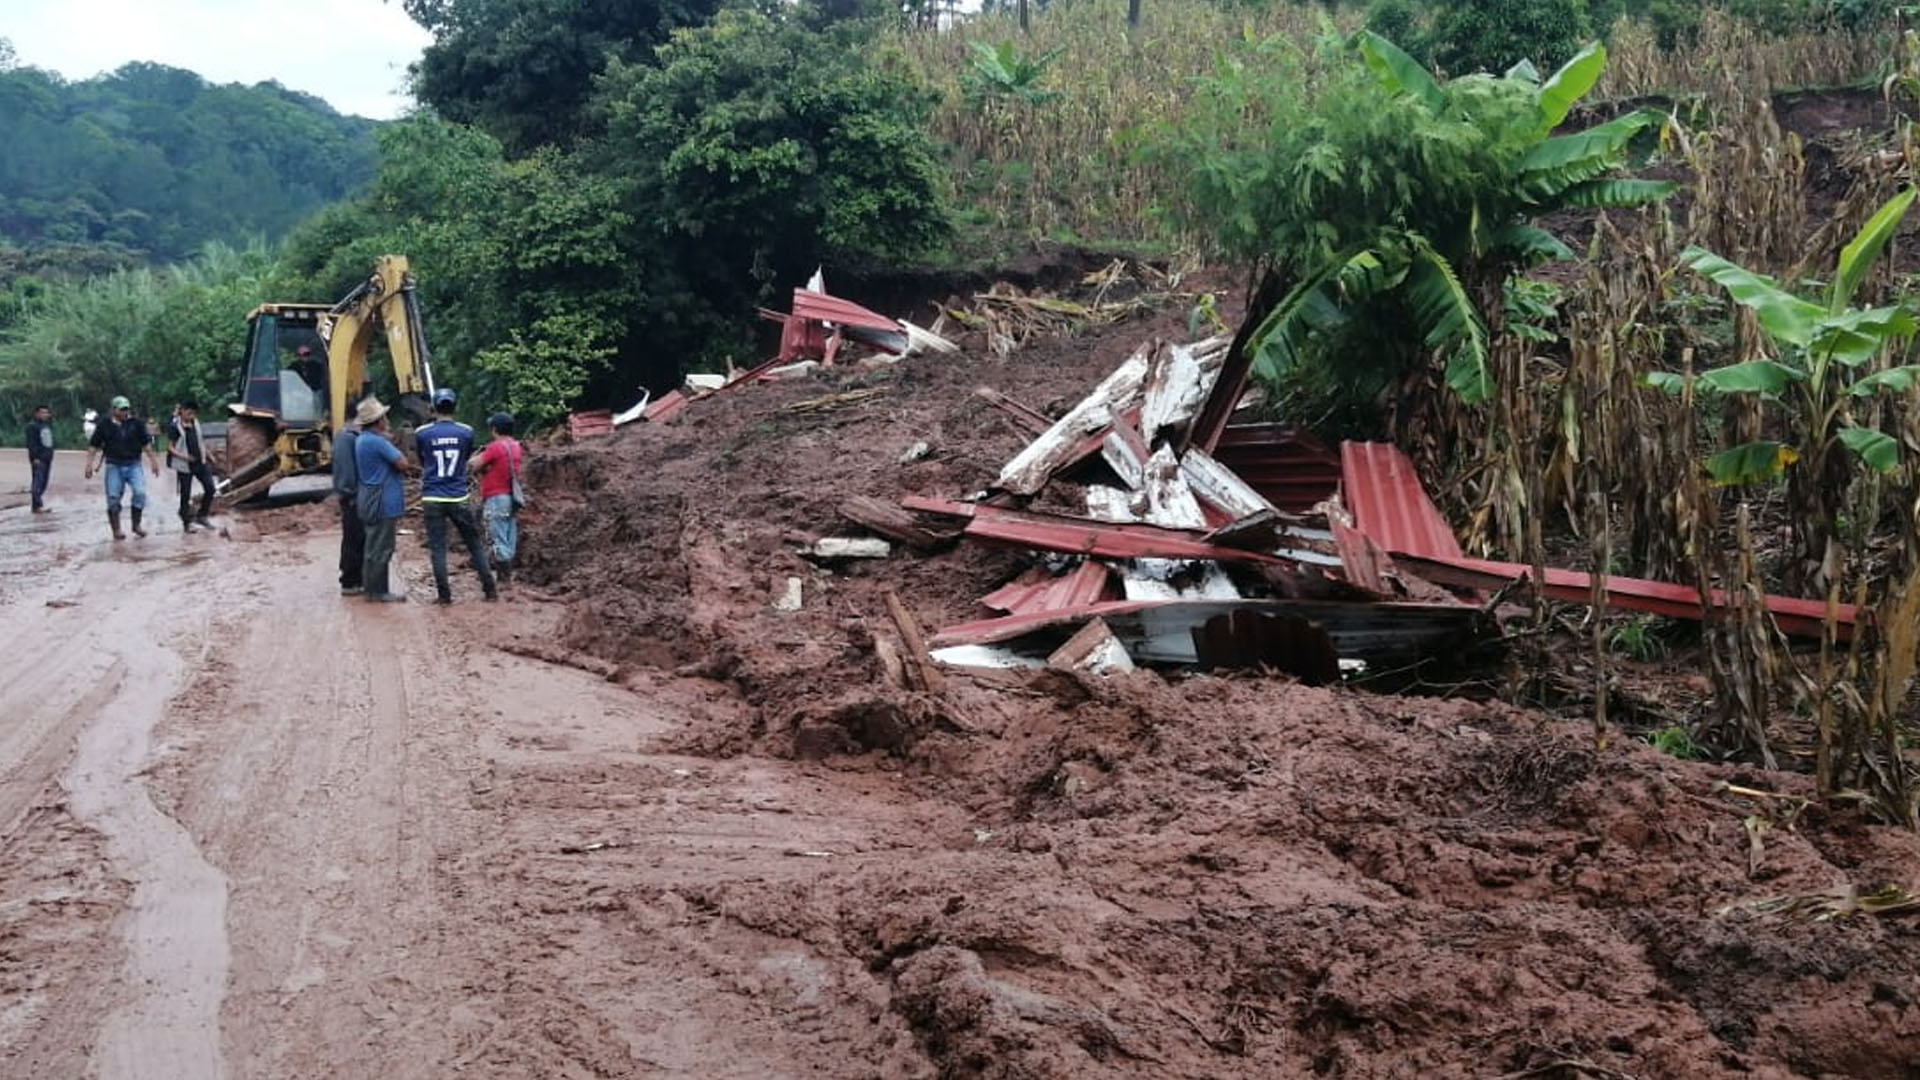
1388	210
527	293
754	151
524	69
157	336
154	161
1492	35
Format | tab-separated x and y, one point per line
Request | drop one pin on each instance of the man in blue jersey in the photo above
445	447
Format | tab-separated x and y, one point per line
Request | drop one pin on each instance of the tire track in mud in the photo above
86	681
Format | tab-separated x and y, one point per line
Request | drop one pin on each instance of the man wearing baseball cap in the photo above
445	447
121	439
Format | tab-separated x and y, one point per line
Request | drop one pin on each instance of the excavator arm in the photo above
383	304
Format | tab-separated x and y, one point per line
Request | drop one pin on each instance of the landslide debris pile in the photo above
1177	874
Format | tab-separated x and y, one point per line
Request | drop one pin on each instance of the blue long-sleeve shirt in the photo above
346	473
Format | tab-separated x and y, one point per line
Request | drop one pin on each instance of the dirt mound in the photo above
1197	876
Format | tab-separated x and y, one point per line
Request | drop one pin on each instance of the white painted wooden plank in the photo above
1030	469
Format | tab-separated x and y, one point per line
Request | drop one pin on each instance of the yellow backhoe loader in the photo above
306	368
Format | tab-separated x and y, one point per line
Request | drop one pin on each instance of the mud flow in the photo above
648	817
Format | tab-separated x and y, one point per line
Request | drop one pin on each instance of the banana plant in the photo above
1823	353
1439	275
1005	71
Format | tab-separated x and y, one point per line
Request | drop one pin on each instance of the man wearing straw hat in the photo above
380	496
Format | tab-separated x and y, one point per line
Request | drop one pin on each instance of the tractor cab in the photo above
286	369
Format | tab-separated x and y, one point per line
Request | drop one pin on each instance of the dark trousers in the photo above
42	469
379	554
460	515
203	474
353	545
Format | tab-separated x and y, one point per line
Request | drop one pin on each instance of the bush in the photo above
1493	35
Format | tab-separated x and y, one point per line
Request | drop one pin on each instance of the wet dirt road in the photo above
251	829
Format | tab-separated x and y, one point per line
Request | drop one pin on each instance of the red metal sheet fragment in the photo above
1362	563
1037	590
589	424
824	308
1289	469
954	508
1101	540
666	408
1801	618
1388	503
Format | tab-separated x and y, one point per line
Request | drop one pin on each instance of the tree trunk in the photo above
1023	16
1133	13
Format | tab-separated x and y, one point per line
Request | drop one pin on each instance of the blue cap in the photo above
444	396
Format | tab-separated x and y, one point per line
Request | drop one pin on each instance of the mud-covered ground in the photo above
635	822
1162	874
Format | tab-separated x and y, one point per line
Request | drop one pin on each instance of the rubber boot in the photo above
137	530
113	519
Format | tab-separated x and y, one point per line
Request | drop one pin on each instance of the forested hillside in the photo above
148	163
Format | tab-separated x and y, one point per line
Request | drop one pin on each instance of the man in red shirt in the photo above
498	467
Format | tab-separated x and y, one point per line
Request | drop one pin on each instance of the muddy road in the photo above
252	829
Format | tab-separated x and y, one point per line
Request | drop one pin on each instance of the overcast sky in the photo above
353	53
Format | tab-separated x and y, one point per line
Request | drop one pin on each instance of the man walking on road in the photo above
498	468
380	496
445	447
122	439
353	534
40	454
187	452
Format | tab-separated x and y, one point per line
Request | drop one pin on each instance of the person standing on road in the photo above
380	495
498	468
353	534
40	454
121	440
445	447
187	452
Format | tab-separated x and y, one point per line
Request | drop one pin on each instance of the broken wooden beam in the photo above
1030	469
923	673
1031	421
1094	650
893	522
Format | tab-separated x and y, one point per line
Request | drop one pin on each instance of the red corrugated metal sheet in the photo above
955	509
1104	541
666	408
1289	469
1388	503
824	308
1391	507
1088	583
1361	561
586	425
1801	618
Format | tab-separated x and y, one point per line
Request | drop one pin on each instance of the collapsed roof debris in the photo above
1219	544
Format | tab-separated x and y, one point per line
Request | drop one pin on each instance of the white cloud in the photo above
352	53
